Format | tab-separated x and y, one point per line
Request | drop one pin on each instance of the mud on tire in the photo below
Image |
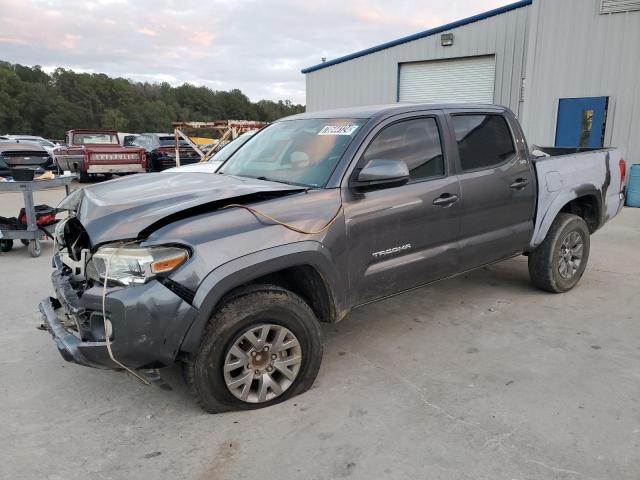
545	262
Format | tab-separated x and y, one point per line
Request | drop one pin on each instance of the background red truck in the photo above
91	152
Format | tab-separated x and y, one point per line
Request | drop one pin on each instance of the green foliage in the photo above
33	102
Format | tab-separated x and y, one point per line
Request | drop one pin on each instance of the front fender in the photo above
242	270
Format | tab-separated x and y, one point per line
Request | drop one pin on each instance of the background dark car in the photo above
161	153
23	154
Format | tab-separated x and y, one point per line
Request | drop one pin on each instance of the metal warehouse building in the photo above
569	69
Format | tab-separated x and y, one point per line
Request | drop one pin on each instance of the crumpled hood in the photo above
123	208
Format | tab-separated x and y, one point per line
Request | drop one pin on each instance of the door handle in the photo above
445	200
519	184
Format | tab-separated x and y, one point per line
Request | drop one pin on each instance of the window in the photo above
616	6
483	140
96	138
415	142
141	141
299	152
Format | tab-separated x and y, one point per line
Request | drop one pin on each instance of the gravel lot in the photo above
478	377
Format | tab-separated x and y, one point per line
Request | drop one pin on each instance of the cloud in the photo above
144	31
258	46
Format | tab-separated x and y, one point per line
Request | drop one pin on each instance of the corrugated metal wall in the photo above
373	79
574	51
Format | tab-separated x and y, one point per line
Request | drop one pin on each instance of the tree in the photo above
34	102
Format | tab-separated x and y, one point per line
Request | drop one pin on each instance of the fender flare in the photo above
558	204
242	270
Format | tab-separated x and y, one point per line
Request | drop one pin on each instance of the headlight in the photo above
134	264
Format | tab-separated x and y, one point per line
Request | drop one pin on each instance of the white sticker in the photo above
338	130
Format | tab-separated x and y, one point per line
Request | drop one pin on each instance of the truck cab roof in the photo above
370	111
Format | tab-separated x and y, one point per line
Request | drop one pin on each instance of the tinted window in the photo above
415	142
483	140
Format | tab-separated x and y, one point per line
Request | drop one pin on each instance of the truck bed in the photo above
567	174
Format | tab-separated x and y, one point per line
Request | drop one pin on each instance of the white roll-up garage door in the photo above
453	80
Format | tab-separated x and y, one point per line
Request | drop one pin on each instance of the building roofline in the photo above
417	36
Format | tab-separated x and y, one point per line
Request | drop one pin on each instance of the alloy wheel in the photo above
570	255
262	363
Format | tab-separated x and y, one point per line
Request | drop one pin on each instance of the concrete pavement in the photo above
478	377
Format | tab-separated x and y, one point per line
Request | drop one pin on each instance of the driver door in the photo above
404	236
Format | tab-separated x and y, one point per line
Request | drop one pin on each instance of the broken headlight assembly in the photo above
133	264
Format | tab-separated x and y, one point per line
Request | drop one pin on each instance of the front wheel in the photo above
262	347
559	262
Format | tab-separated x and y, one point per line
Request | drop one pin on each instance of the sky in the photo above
258	46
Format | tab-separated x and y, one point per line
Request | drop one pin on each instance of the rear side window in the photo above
415	142
483	140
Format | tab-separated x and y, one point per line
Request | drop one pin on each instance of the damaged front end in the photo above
137	315
116	303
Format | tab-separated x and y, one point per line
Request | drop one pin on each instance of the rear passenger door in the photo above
496	185
403	236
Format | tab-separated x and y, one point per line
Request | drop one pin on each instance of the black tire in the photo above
252	306
6	245
544	261
83	176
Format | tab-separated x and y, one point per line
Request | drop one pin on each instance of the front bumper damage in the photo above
148	324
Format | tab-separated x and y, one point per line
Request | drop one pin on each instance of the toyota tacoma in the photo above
231	273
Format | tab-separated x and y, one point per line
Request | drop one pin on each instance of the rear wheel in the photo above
559	262
262	347
83	176
6	245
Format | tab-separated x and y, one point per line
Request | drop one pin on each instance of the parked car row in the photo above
89	153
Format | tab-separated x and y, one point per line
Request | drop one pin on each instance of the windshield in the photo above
300	152
231	148
41	141
171	141
95	138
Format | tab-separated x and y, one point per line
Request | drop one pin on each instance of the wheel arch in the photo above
585	203
306	268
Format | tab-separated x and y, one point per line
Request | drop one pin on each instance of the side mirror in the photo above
381	174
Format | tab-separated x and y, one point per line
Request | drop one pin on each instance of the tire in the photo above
83	176
34	248
6	245
546	268
246	314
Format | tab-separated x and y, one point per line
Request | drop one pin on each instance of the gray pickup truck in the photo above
230	273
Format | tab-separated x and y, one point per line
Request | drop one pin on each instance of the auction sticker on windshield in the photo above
338	130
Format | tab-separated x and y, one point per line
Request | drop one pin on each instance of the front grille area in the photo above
27	154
